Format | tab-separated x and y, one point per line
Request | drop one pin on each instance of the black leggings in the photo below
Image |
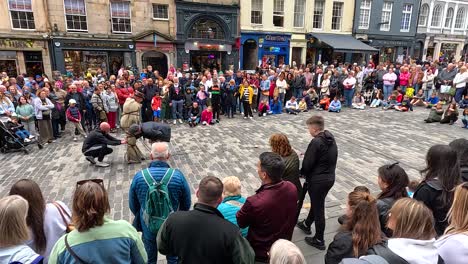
317	193
98	151
247	109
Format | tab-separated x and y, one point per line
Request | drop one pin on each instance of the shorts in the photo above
157	113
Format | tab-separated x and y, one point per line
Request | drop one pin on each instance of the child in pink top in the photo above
207	116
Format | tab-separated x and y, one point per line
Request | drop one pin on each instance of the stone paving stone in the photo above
366	140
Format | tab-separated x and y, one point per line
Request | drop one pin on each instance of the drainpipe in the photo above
45	5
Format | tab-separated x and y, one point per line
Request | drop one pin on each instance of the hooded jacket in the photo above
453	249
19	254
320	159
414	251
156	131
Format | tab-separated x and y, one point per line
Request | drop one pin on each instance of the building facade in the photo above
389	26
207	35
24	38
442	30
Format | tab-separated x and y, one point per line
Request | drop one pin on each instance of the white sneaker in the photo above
102	164
245	117
31	137
180	121
75	139
264	114
175	122
204	123
251	117
27	140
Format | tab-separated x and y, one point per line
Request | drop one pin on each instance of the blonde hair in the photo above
457	216
412	219
285	252
13	227
232	186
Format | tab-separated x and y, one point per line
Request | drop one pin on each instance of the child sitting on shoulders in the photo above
465	118
335	105
433	100
156	107
405	105
263	108
418	99
303	105
207	116
377	100
324	103
464	102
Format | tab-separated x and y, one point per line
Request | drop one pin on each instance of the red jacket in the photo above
156	103
124	93
206	116
269	220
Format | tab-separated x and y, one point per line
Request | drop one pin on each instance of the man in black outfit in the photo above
318	168
95	145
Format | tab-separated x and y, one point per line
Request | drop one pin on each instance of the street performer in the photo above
154	131
131	114
96	145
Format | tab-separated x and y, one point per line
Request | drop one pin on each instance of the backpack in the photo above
158	203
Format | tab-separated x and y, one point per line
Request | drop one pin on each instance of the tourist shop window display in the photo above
8	63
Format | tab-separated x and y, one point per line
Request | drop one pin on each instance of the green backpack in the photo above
158	203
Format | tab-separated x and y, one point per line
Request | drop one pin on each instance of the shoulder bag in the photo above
70	227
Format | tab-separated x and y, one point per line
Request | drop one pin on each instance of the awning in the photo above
343	43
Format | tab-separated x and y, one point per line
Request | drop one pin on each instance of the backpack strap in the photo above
147	176
168	176
75	257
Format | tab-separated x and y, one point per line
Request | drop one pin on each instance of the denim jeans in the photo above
387	91
22	134
459	94
281	98
349	93
416	88
298	93
427	94
152	250
240	104
403	88
177	109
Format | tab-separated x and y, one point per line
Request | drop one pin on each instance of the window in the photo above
449	18
256	12
160	11
460	19
318	14
22	16
299	9
206	29
386	16
364	14
278	13
406	18
75	14
120	14
423	15
337	15
435	22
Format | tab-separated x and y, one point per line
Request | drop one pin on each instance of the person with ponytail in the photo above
360	231
453	246
441	176
47	222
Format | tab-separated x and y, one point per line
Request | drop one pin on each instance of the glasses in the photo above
98	181
391	165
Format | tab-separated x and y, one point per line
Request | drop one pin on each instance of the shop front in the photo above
28	56
392	50
444	47
206	36
155	49
81	56
264	49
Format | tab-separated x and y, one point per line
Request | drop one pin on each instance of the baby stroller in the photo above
9	142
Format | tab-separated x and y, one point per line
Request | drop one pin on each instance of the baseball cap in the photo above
72	101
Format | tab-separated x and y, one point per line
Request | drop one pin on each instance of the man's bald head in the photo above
160	151
105	127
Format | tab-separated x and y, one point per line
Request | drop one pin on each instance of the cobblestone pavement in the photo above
366	140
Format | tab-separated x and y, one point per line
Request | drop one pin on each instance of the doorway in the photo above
206	60
250	55
156	59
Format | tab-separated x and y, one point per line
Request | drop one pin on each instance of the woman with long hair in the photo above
47	222
441	175
359	233
453	246
43	113
118	240
279	144
14	232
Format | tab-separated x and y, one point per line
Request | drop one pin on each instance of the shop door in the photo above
116	61
250	55
157	60
205	60
33	61
8	63
297	55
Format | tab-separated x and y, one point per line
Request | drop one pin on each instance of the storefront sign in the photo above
20	44
275	49
275	38
389	43
106	45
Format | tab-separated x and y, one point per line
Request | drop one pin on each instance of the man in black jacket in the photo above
202	235
95	145
154	131
149	90
318	167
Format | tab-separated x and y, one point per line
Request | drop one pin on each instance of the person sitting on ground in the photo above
392	180
14	230
275	106
46	222
179	194
464	118
433	100
303	105
335	105
154	131
464	102
324	103
435	115
405	105
232	201
358	102
267	219
286	252
392	100
413	240
207	116
74	116
97	238
360	188
359	233
292	107
450	114
17	128
95	145
461	147
377	101
453	246
216	239
263	108
194	115
311	98
441	175
418	99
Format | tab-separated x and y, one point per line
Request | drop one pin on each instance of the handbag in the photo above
445	89
452	91
69	225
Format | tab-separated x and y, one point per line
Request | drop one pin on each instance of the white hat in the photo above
72	101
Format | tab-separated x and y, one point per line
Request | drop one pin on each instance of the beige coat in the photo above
130	114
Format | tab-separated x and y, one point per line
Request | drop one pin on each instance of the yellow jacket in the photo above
241	93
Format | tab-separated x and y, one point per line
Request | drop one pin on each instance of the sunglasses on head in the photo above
98	181
388	167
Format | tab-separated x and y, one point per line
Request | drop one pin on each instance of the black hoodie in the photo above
319	162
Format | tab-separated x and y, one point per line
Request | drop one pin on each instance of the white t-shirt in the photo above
281	85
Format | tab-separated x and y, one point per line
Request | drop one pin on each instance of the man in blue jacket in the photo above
179	193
